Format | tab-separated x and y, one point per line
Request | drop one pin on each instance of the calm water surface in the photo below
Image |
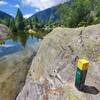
11	46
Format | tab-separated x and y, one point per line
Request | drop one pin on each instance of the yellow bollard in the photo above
82	67
83	64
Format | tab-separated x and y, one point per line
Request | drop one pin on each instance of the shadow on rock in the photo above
90	89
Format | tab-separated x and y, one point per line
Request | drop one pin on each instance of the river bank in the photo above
13	71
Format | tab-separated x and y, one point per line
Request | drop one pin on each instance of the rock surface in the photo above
4	31
52	73
13	71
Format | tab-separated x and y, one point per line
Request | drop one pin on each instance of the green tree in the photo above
82	8
7	21
19	20
30	23
74	13
12	25
98	8
35	20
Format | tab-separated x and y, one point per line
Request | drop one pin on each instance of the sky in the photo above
28	7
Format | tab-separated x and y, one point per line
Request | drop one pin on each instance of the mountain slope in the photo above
49	15
46	14
3	15
52	73
5	18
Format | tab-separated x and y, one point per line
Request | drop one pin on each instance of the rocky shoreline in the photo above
13	71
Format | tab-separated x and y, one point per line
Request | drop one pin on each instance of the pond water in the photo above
11	46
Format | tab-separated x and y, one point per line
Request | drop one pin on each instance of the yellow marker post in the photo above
82	67
83	64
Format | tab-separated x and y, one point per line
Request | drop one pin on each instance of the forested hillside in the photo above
5	18
74	13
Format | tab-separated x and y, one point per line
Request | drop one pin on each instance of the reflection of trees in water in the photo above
21	36
14	37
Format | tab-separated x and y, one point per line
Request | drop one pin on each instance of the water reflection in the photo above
9	47
20	36
16	43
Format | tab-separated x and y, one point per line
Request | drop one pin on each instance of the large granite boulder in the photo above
52	73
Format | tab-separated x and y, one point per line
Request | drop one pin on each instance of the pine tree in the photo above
7	21
30	22
35	20
12	26
19	20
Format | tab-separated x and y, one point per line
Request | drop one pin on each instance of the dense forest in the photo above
74	13
80	13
